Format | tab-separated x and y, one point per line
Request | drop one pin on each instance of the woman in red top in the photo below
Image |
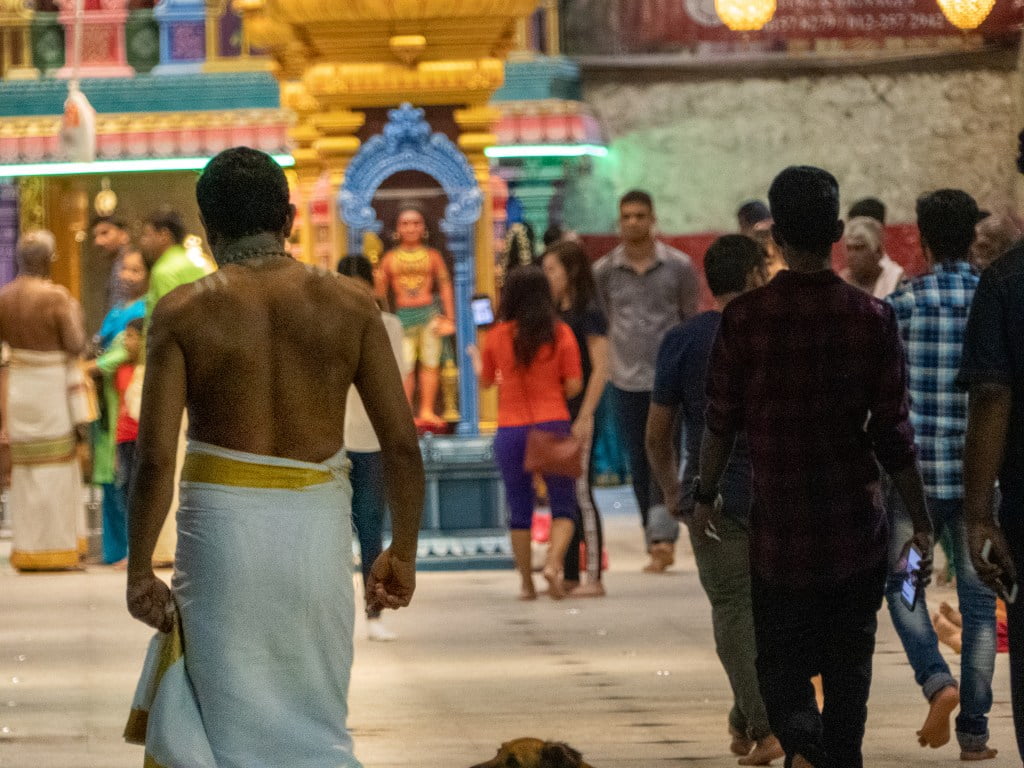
535	361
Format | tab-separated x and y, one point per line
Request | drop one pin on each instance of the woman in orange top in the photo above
535	361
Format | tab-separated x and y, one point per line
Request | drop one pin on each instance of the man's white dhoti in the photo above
45	497
263	585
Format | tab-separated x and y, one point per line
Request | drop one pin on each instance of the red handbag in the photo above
549	453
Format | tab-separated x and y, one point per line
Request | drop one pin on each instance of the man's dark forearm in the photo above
988	417
403	469
714	455
910	487
660	451
152	493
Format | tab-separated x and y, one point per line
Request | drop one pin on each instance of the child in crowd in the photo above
127	430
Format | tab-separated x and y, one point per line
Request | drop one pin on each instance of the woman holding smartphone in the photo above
533	358
567	269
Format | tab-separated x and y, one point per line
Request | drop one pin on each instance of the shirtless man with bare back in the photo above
43	333
262	354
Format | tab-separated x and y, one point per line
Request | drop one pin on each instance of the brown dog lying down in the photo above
535	753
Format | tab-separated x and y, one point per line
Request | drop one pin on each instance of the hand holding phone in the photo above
911	586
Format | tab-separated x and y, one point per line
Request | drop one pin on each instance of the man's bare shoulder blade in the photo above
345	293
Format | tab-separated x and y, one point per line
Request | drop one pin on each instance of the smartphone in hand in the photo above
910	587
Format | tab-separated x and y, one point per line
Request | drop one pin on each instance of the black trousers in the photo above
827	630
1012	522
631	412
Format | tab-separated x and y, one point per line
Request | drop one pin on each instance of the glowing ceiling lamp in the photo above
119	166
546	150
745	15
966	14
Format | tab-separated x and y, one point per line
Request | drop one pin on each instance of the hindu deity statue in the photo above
421	293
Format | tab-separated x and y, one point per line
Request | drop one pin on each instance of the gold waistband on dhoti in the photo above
220	470
52	451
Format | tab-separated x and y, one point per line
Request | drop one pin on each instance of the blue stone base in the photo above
465	525
185	68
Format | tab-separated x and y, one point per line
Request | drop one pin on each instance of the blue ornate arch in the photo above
407	144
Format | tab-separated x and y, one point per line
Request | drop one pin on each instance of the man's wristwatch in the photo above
701	496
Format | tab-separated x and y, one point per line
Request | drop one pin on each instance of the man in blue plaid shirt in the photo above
932	314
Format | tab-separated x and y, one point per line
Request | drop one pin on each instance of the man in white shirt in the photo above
363	448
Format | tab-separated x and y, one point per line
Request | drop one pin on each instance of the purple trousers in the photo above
509	449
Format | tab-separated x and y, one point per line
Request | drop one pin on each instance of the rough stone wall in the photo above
702	148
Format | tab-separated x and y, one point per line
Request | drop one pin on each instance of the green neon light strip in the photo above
119	166
547	150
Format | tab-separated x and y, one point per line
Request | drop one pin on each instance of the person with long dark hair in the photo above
567	269
533	358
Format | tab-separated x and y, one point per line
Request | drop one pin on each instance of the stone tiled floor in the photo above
631	680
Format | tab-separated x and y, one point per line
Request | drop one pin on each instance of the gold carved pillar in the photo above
476	133
337	145
476	126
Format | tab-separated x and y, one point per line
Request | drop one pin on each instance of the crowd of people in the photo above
831	423
816	432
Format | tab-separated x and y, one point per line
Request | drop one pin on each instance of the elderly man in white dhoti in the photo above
262	354
43	334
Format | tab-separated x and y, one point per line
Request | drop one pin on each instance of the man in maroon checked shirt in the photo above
813	371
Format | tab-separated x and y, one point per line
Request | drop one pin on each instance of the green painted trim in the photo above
144	93
542	77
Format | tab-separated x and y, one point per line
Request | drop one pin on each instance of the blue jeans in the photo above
368	510
115	523
978	607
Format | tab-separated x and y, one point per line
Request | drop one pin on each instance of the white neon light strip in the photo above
547	150
119	166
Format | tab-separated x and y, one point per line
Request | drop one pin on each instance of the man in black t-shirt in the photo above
992	371
732	265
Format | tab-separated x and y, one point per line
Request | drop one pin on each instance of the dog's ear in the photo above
555	754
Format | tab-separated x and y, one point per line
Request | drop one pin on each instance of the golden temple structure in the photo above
341	64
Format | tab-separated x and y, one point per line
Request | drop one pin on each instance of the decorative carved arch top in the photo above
407	144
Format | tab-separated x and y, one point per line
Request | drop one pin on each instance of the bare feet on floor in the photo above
527	591
948	632
765	750
663	554
981	754
740	745
935	731
951	613
590	589
553	576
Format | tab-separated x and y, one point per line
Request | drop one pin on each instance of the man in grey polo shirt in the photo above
647	287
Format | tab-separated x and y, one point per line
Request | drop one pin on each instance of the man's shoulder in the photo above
1008	268
673	254
695	331
603	264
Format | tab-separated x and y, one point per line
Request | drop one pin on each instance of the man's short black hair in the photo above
729	262
169	219
946	220
243	192
358	266
752	212
114	221
804	203
552	235
637	196
871	207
